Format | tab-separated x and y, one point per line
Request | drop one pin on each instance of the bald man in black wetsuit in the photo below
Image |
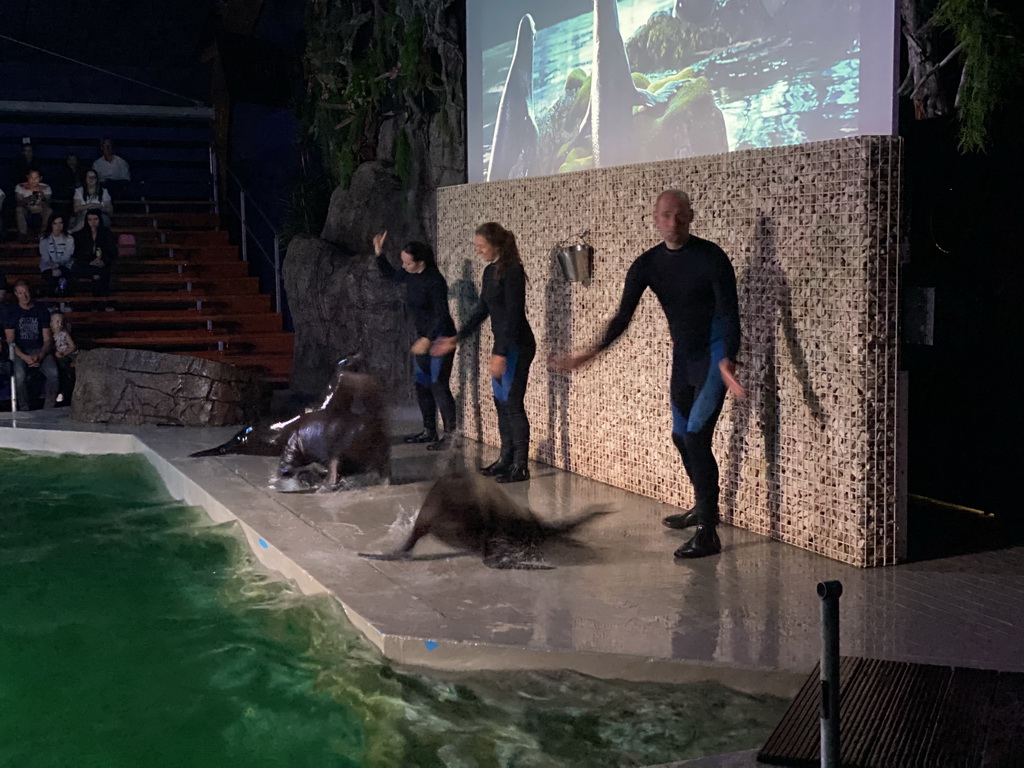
696	286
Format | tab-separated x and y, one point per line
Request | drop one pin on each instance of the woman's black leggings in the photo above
433	391
509	400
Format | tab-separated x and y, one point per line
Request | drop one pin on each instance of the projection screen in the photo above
564	85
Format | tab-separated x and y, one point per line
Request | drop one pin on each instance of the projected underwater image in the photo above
598	83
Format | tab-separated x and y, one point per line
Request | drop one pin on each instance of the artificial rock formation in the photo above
341	306
128	386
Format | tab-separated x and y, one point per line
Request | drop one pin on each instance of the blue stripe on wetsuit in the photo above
711	394
502	387
426	378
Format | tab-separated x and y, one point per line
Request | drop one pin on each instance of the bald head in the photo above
672	217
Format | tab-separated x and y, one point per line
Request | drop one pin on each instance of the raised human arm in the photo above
632	292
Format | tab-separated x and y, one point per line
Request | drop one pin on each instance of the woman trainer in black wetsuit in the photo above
503	298
427	299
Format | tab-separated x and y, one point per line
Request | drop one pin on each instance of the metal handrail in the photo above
241	211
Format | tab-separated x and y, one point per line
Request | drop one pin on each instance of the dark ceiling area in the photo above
108	32
159	44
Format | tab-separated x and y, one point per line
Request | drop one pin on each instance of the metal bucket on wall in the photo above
575	261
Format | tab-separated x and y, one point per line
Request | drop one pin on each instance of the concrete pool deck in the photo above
617	607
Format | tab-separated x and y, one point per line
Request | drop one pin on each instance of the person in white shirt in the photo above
112	170
90	196
57	257
32	198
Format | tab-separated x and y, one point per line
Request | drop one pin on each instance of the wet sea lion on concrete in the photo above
515	132
613	95
469	512
349	437
268	438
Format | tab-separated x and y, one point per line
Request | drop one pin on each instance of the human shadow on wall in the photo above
764	291
558	338
466	296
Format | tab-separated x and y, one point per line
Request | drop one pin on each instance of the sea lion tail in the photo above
220	450
398	554
586	516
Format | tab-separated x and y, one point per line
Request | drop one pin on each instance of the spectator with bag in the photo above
96	247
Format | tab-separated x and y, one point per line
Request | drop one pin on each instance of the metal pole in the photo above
241	214
277	271
213	178
829	592
14	389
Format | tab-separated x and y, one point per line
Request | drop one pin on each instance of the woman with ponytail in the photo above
503	299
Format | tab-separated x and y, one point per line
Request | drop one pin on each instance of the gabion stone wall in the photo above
809	457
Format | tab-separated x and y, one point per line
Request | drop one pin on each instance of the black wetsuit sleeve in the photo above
727	307
480	312
632	291
514	279
388	272
438	293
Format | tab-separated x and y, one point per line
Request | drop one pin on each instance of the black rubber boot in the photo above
705	542
519	470
504	461
686	519
426	436
441	445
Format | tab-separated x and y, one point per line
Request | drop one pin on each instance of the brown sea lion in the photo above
349	437
268	438
472	513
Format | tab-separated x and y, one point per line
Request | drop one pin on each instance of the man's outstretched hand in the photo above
727	368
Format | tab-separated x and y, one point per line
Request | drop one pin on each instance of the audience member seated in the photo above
64	351
25	163
32	201
71	177
113	171
27	328
96	247
57	257
90	195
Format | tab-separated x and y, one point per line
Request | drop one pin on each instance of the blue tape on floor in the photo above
431	645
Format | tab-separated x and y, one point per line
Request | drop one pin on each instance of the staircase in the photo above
185	291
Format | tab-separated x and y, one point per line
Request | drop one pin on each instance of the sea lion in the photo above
515	132
613	94
349	437
472	513
266	438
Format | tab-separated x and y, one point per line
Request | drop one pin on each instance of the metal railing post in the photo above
829	592
277	271
214	181
14	389
241	214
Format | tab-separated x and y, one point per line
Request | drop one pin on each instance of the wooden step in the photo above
221	302
155	249
156	282
249	322
175	238
231	344
166	220
28	265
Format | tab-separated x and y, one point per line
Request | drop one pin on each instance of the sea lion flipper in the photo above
396	555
